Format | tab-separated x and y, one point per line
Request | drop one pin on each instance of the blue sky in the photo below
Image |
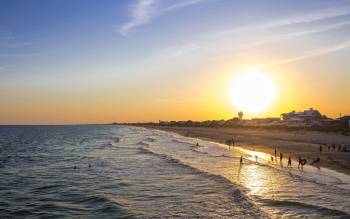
51	49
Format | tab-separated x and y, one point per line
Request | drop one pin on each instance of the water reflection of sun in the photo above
255	180
260	180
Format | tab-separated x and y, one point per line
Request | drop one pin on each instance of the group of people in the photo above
281	158
301	161
334	147
230	142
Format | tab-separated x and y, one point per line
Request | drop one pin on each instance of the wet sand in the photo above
290	143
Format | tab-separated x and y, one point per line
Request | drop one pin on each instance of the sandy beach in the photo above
294	144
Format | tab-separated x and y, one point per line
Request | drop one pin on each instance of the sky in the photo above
101	61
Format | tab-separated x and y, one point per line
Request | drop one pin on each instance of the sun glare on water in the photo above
252	92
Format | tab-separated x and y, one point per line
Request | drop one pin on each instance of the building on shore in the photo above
306	118
345	120
310	117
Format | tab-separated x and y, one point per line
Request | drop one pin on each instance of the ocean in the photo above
97	171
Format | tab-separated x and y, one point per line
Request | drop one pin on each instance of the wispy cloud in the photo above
291	35
181	4
311	17
185	49
315	22
308	54
13	46
8	40
141	14
146	10
18	55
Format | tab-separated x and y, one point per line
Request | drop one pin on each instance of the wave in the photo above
103	204
47	187
194	169
198	151
149	139
142	143
239	193
301	205
183	142
84	140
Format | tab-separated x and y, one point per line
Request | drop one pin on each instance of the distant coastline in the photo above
307	120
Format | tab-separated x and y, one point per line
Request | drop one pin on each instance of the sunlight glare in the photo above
252	91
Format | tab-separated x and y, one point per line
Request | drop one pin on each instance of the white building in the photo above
306	117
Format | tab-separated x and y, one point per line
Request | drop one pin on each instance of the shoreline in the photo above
294	144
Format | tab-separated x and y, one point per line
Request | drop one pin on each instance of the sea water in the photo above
132	172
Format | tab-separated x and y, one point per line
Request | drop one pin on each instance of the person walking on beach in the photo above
275	152
289	162
241	160
302	162
271	158
281	157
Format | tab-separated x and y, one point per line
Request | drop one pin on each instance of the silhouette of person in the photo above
281	157
302	162
241	160
275	152
289	162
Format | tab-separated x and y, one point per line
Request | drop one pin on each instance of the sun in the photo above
252	91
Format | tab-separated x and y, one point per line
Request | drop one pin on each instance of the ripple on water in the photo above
148	174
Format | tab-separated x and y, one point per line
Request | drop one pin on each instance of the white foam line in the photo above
308	170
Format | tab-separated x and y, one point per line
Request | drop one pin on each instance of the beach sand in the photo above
290	143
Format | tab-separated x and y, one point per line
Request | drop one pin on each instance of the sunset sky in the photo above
94	61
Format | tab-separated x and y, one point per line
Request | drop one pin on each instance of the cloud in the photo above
290	35
309	54
185	49
182	4
141	14
8	40
146	10
18	55
13	48
311	17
